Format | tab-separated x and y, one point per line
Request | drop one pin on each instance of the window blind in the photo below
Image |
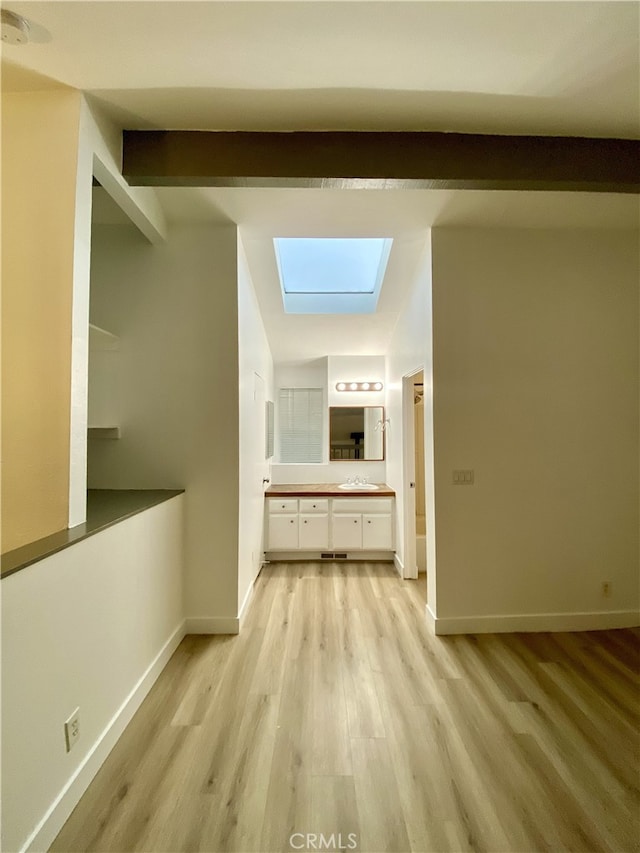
300	424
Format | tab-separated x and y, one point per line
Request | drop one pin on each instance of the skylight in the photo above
331	275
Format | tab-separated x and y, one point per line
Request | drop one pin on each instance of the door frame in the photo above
409	475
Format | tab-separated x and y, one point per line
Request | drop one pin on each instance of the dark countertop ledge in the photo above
105	507
325	490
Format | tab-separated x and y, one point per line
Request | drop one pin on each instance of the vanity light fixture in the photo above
359	386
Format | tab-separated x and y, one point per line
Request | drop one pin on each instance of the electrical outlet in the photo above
463	478
606	589
72	729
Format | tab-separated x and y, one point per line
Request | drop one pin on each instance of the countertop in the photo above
104	508
326	490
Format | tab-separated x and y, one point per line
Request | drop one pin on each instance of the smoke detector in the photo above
14	28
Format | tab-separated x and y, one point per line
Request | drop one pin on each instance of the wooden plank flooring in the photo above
336	712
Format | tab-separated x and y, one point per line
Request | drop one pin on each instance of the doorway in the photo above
419	479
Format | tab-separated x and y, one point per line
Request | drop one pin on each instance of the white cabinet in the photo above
363	524
336	524
298	525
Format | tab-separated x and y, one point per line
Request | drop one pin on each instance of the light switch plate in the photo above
463	477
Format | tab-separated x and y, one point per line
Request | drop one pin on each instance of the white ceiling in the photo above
502	67
329	213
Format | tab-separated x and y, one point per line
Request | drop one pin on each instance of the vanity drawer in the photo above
314	505
283	505
368	505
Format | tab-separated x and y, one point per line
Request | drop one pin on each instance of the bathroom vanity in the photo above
324	521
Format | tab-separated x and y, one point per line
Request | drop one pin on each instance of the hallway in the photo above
336	711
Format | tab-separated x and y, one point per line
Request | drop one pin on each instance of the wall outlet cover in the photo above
72	730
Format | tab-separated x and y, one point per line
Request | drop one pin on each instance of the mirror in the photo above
356	434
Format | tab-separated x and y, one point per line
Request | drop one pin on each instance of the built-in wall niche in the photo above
103	409
103	404
356	433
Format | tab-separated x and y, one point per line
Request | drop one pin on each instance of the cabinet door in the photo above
314	531
283	531
377	533
347	532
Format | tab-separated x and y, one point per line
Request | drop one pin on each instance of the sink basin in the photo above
358	487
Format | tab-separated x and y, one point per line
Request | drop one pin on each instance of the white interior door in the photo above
409	480
260	419
261	464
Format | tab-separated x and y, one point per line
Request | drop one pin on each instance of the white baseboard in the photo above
242	615
431	619
397	562
53	821
532	622
212	625
220	624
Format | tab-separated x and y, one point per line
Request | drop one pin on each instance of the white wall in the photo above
256	386
359	368
309	374
536	388
175	308
89	627
324	373
410	349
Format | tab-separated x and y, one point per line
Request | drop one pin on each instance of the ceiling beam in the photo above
347	159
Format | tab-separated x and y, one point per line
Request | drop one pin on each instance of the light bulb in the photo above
365	386
378	386
341	386
354	386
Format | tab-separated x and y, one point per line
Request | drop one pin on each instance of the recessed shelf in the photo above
100	339
103	431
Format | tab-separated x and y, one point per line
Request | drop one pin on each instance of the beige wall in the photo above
536	389
39	165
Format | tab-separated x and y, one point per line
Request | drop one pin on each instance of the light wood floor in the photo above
336	712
